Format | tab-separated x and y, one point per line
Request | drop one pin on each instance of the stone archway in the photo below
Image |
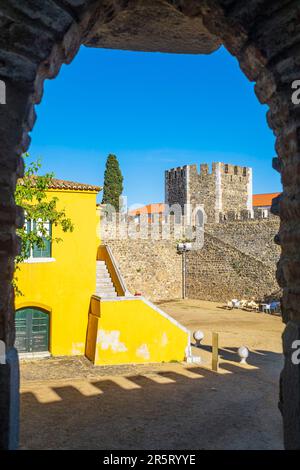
262	34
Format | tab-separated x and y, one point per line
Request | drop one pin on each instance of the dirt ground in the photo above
66	403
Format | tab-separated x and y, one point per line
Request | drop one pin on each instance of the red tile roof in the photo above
67	185
157	208
263	200
259	200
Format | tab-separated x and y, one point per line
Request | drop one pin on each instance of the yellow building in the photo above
75	301
57	282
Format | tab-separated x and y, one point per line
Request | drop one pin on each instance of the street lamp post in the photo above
182	248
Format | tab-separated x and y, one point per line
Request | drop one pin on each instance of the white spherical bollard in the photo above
243	352
198	337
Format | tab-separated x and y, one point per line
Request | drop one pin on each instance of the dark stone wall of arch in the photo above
36	38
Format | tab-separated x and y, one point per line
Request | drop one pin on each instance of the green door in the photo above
32	330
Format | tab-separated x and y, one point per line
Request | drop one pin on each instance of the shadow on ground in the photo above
171	407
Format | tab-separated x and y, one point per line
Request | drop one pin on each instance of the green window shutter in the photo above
45	251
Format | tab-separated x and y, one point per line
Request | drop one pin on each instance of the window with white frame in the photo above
43	229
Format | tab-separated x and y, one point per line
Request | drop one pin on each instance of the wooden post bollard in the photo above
215	352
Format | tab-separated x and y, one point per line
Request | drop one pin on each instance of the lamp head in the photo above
243	352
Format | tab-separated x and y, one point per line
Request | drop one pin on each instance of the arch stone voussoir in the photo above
264	36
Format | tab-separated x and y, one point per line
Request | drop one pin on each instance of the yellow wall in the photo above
98	230
64	287
133	331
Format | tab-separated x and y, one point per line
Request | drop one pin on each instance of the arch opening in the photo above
32	331
272	64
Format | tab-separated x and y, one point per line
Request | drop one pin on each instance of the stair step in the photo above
102	289
104	285
106	289
105	282
106	295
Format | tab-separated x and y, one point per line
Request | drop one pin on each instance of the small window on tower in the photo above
235	170
244	171
226	168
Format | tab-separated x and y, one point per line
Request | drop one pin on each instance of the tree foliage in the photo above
113	182
40	208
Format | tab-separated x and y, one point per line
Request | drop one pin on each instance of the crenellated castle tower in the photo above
224	191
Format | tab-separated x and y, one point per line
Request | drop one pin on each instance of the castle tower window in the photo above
226	168
244	171
265	213
235	170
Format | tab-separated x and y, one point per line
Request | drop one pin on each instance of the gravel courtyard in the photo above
66	403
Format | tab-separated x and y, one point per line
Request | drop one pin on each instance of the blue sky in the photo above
155	112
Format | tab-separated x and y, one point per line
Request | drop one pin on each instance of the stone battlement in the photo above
220	188
244	215
206	169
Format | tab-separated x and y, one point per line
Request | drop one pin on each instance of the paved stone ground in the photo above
69	404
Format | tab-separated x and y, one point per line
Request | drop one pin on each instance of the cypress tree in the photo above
113	182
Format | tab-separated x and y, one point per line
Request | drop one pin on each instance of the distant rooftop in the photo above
259	200
263	200
156	208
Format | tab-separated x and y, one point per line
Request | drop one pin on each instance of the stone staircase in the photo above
104	284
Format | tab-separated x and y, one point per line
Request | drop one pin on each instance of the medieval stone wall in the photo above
220	272
238	259
151	267
252	237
